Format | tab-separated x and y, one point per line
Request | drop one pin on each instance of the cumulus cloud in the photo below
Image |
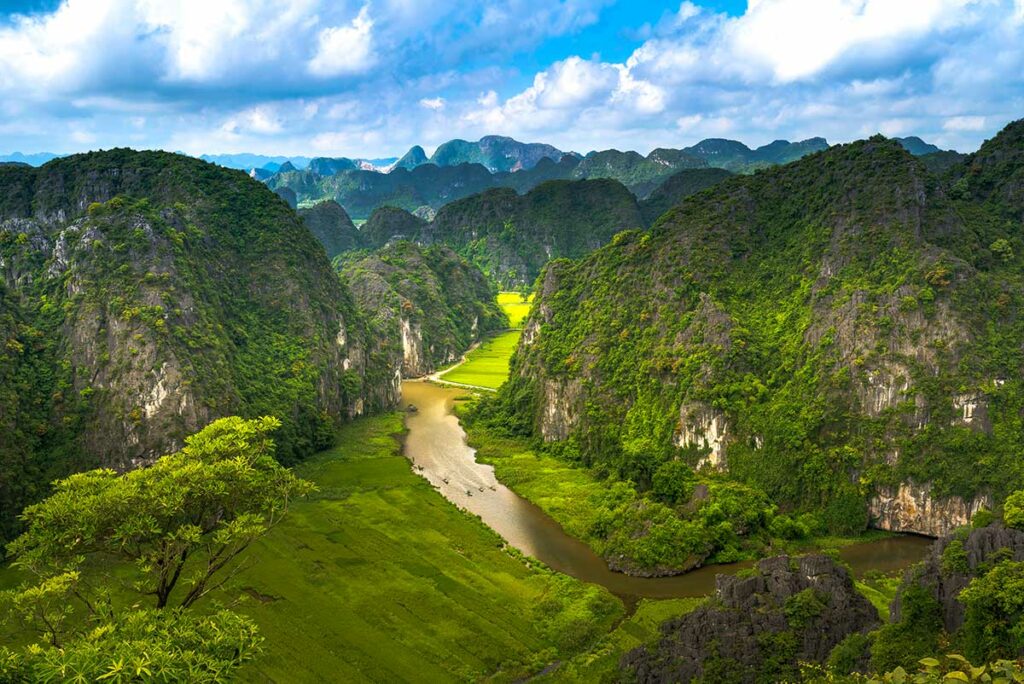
363	78
345	49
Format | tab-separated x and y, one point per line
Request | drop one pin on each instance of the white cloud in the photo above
331	74
345	49
434	104
964	123
261	120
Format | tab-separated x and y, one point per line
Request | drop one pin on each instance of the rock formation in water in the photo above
758	628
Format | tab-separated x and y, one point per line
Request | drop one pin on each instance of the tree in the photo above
673	482
143	645
180	524
1013	510
994	613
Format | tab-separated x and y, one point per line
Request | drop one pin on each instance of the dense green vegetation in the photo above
147	293
334	229
377	577
635	533
830	314
676	188
424	306
510	237
487	365
104	544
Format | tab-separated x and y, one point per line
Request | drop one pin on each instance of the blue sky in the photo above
370	78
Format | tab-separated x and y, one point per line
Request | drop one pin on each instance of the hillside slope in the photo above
145	294
510	237
843	333
425	306
332	227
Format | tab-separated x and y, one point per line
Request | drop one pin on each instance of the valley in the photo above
564	435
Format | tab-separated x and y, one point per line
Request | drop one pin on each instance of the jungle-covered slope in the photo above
331	225
842	333
425	306
677	187
143	294
510	237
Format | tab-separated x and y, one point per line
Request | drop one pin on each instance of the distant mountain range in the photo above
459	168
36	159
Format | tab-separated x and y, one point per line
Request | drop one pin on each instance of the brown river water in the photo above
436	445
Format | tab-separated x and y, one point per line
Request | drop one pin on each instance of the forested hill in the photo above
425	306
843	333
510	237
143	294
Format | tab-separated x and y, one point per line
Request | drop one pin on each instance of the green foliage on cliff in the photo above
146	294
431	297
831	314
510	237
994	603
334	229
676	188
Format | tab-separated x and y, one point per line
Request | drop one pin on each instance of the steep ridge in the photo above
736	157
496	153
842	333
459	169
426	306
334	229
389	223
677	187
361	191
510	237
145	294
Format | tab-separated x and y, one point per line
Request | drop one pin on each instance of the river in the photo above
436	445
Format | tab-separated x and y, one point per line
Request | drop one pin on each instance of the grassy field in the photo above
600	663
378	578
515	307
487	365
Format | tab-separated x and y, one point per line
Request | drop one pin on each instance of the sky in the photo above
370	78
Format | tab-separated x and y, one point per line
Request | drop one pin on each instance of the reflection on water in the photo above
436	445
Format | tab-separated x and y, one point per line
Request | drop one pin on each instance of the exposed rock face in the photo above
911	508
172	292
560	400
792	610
426	306
704	428
838	310
945	585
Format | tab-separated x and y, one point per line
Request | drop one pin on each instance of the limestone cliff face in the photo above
426	306
912	508
834	332
173	292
